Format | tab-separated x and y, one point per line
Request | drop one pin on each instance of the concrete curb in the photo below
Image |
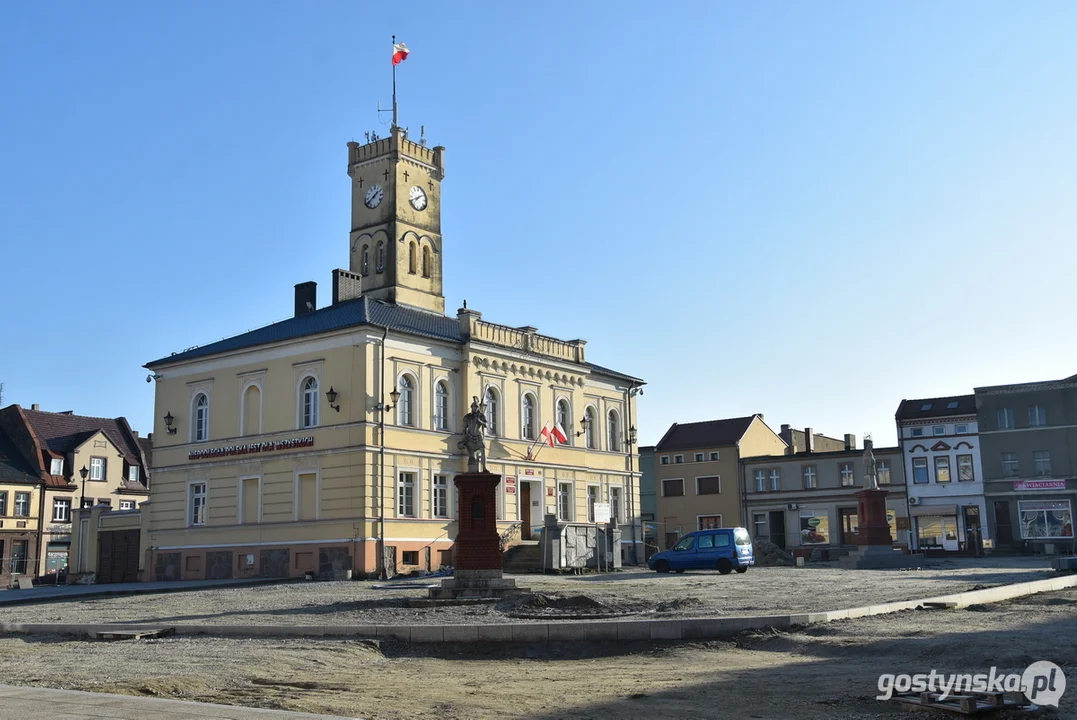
562	631
157	588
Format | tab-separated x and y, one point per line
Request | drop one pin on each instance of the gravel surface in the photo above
824	671
760	591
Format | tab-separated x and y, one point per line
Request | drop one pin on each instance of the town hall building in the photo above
328	442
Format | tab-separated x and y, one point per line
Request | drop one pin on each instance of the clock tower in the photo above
396	220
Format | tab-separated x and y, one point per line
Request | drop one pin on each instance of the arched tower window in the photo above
590	430
412	257
614	428
528	413
426	262
309	399
564	417
491	402
379	258
441	406
405	406
200	418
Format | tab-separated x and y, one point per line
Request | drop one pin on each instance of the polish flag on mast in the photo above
553	436
400	53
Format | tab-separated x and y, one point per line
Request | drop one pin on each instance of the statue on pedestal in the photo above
871	478
474	432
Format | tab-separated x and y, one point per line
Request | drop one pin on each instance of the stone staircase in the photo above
524	557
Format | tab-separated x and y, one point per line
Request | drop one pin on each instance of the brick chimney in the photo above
850	442
809	440
306	298
346	285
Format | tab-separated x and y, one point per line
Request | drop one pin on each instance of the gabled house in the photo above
20	495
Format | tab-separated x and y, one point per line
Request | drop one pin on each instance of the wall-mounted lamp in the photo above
631	435
168	424
394	396
331	395
585	423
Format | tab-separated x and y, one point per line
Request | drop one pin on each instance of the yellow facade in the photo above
260	474
19	521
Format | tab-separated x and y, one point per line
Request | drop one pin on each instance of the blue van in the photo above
723	549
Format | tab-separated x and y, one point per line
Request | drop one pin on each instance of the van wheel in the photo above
661	566
679	571
742	569
724	566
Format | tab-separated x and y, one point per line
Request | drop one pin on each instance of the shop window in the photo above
1046	520
814	527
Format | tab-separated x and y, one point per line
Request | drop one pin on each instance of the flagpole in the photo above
394	84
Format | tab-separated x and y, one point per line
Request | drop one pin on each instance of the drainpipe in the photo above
380	545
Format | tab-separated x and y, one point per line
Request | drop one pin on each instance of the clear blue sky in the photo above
809	210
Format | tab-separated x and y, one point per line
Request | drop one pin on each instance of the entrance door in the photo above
1003	526
777	527
525	510
19	551
850	522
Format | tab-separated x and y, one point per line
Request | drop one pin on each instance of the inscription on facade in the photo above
251	448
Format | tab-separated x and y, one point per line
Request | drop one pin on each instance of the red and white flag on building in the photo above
400	53
553	436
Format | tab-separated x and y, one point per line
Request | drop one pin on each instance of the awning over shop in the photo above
925	510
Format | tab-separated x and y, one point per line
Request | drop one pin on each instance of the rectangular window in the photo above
961	429
592	498
665	459
814	527
441	496
917	432
1041	463
673	488
22	504
132	474
708	485
198	503
699	457
965	470
409	557
615	505
61	510
1009	465
678	459
775	480
710	522
405	495
810	480
882	472
847	477
760	480
759	524
564	502
938	430
87	503
1046	520
127	504
942	468
97	468
1005	418
919	470
3	503
714	456
57	466
1037	416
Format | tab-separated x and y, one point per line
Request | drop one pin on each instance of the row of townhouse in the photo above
994	468
50	464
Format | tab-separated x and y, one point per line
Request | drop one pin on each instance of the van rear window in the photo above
740	536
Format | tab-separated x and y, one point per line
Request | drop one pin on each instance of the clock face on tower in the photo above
373	196
417	197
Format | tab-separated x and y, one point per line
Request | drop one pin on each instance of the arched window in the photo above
405	406
201	418
412	258
528	413
252	410
309	400
366	260
589	431
441	406
564	417
614	427
426	262
379	258
491	411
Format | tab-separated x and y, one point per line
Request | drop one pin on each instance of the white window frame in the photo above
240	520
311	419
592	498
494	407
1038	462
700	477
192	485
618	516
715	455
613	430
678	459
441	414
590	435
132	473
760	480
434	492
317	473
937	430
400	485
1005	418
775	474
809	472
665	460
21	507
127	504
884	465
202	410
65	503
699	457
408	418
846	471
1037	416
57	466
529	426
1006	464
98	469
662	487
567	425
961	429
916	432
568	498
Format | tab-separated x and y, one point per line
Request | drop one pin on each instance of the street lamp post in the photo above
83	473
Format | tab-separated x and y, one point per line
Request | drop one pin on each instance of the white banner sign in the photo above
602	513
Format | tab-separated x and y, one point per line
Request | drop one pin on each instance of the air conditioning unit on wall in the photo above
914	501
791	506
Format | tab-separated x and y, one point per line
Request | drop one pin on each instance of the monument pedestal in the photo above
477	552
876	551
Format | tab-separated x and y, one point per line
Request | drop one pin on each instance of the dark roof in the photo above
803	456
926	408
351	313
147	450
13	466
62	433
710	433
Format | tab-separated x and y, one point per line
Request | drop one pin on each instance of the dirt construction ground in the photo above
822	671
